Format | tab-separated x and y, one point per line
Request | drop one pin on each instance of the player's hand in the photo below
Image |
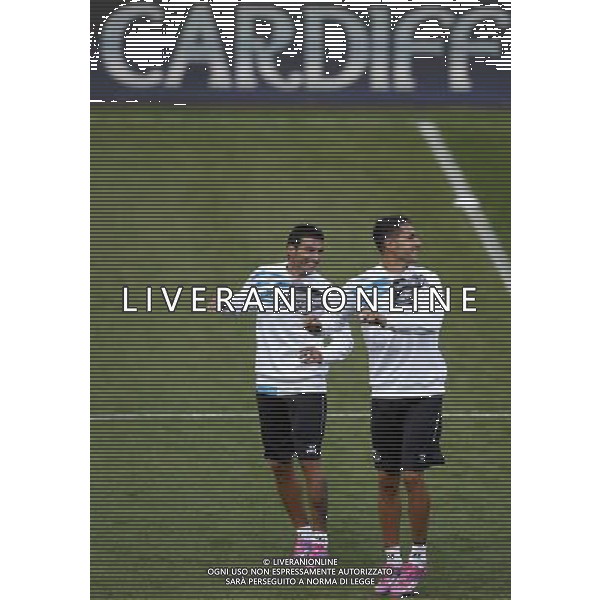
372	318
311	356
312	324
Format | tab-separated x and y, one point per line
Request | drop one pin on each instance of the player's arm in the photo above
313	324
335	326
356	304
339	347
422	322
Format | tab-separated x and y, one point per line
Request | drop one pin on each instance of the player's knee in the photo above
281	468
388	484
413	479
310	462
313	470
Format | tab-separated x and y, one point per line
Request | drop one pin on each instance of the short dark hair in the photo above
298	233
384	227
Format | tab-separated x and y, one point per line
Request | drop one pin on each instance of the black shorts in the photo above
405	433
292	425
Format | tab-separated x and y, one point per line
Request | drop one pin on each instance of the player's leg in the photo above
309	414
387	419
421	450
415	569
276	434
390	508
316	485
386	439
290	492
419	503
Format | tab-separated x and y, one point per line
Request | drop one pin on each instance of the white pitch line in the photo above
131	416
466	200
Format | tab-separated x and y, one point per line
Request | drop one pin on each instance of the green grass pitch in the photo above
202	196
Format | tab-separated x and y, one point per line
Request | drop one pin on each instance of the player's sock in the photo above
393	561
320	544
393	556
303	542
321	536
418	555
306	532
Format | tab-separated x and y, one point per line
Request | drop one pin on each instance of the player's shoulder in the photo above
420	271
276	271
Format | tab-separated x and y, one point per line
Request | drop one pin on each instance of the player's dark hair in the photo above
386	226
298	233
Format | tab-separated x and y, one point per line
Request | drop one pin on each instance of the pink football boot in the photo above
410	577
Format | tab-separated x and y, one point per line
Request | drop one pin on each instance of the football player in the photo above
407	374
292	363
